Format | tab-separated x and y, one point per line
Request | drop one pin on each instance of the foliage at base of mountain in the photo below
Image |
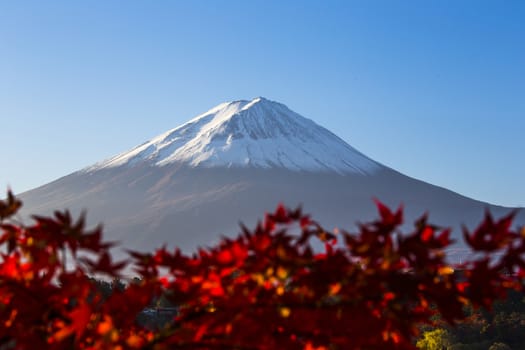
502	328
265	289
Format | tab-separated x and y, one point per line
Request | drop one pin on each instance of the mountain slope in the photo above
233	163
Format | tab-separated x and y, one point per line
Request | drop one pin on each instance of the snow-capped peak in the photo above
256	133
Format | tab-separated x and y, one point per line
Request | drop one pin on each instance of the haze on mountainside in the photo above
233	163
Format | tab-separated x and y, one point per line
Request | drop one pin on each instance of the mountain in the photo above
257	133
238	160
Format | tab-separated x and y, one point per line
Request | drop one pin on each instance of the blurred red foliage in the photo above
265	289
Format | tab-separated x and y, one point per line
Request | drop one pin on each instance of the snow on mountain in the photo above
257	133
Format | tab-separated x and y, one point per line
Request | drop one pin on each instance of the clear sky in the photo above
434	89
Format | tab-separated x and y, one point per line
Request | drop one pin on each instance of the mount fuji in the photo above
196	182
257	133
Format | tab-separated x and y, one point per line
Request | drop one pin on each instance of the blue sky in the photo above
434	89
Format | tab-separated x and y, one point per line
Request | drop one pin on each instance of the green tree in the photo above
437	339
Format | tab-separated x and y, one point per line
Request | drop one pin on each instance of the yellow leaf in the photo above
285	312
445	270
114	335
282	273
259	278
280	290
211	308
